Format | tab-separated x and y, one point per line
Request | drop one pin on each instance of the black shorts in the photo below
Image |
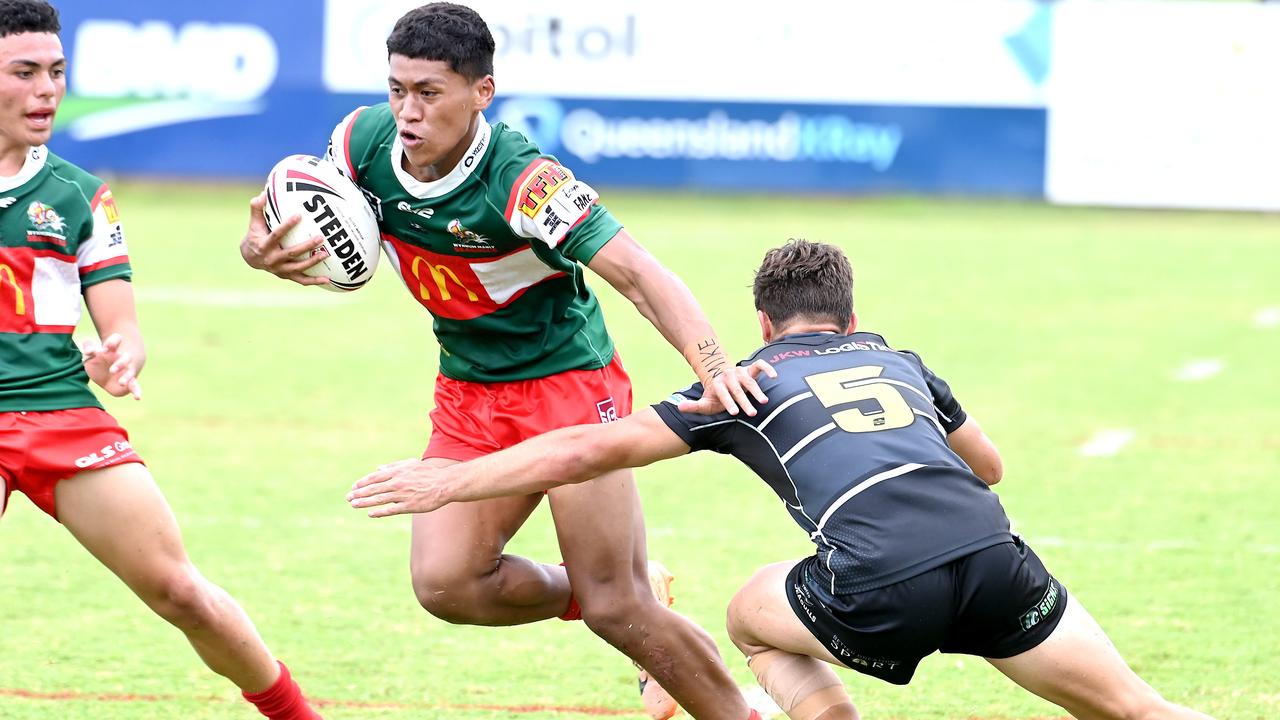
994	603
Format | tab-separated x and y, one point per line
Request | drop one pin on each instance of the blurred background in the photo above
1104	102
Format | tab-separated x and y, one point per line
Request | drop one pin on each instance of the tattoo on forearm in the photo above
711	357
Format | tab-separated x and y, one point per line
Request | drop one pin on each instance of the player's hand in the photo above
113	369
406	486
732	389
261	249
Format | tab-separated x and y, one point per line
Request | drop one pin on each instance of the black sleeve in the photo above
949	410
699	432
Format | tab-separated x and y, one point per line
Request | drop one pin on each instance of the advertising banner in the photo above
1164	104
927	52
189	89
911	96
761	146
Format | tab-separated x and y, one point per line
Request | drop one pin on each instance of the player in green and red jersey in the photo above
491	236
61	239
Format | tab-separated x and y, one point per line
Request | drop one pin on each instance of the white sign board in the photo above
1165	104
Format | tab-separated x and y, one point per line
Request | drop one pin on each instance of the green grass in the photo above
1050	324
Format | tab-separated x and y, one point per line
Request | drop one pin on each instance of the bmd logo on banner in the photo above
195	71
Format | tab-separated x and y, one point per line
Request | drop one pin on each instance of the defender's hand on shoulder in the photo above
730	389
261	248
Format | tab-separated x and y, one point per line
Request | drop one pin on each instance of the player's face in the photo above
435	110
32	83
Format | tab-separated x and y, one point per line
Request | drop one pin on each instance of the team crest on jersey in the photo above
468	241
46	224
44	217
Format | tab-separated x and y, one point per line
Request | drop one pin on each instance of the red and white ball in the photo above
331	206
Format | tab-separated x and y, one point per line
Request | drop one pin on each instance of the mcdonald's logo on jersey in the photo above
443	284
10	278
540	185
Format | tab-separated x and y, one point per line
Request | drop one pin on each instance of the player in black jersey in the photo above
875	459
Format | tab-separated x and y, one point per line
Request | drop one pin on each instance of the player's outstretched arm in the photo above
114	361
561	457
978	452
261	249
665	300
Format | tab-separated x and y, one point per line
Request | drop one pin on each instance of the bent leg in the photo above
1079	669
461	575
601	531
788	661
119	515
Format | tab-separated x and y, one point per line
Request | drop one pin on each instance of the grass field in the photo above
264	401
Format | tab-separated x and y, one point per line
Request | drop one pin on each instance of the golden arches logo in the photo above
440	274
19	298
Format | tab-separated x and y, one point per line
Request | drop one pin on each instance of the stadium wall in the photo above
987	97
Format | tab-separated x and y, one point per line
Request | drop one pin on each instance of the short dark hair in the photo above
803	279
450	33
28	16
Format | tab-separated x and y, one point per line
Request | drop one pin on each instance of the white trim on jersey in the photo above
337	152
460	172
776	411
55	286
34	162
931	419
864	485
508	275
806	440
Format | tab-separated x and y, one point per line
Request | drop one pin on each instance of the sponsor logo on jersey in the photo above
107	454
468	241
608	411
6	202
403	206
8	276
476	151
540	186
109	207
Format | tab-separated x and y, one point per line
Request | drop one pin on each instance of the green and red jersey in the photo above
494	250
60	232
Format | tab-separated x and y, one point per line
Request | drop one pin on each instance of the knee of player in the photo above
738	625
613	612
182	597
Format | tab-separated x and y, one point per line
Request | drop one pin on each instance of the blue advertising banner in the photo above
190	89
770	146
225	90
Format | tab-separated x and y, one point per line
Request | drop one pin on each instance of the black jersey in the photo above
853	439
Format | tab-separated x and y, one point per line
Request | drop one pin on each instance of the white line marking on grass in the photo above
1267	318
759	700
1199	370
1106	443
208	297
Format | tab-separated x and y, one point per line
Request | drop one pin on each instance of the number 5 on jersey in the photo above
877	404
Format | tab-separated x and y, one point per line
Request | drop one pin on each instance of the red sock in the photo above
283	700
574	612
755	715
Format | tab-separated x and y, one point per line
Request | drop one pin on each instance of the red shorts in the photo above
473	419
38	449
